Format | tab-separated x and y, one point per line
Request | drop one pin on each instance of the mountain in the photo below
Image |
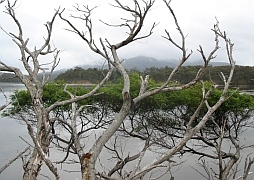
143	62
139	63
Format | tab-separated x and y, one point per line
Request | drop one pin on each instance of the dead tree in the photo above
89	159
30	61
41	135
134	26
224	132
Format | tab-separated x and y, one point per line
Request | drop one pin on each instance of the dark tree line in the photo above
9	78
243	74
80	75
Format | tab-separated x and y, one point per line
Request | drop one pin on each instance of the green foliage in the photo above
163	109
52	92
111	93
21	101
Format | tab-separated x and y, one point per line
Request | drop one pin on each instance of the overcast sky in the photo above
196	17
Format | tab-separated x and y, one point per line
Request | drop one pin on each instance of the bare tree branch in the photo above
6	100
14	159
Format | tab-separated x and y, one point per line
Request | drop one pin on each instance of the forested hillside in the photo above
80	75
244	75
9	78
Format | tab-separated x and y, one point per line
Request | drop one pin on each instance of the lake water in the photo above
12	144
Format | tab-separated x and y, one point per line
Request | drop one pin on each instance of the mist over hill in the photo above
140	63
143	62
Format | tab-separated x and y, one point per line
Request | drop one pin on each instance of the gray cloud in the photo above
196	18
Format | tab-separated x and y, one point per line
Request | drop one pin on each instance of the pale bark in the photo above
211	109
6	100
14	159
35	88
248	163
89	164
89	161
42	136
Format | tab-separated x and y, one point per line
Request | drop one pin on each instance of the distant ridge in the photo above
139	63
143	62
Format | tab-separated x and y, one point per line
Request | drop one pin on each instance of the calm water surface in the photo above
12	144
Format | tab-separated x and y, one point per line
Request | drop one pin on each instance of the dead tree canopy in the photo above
79	128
